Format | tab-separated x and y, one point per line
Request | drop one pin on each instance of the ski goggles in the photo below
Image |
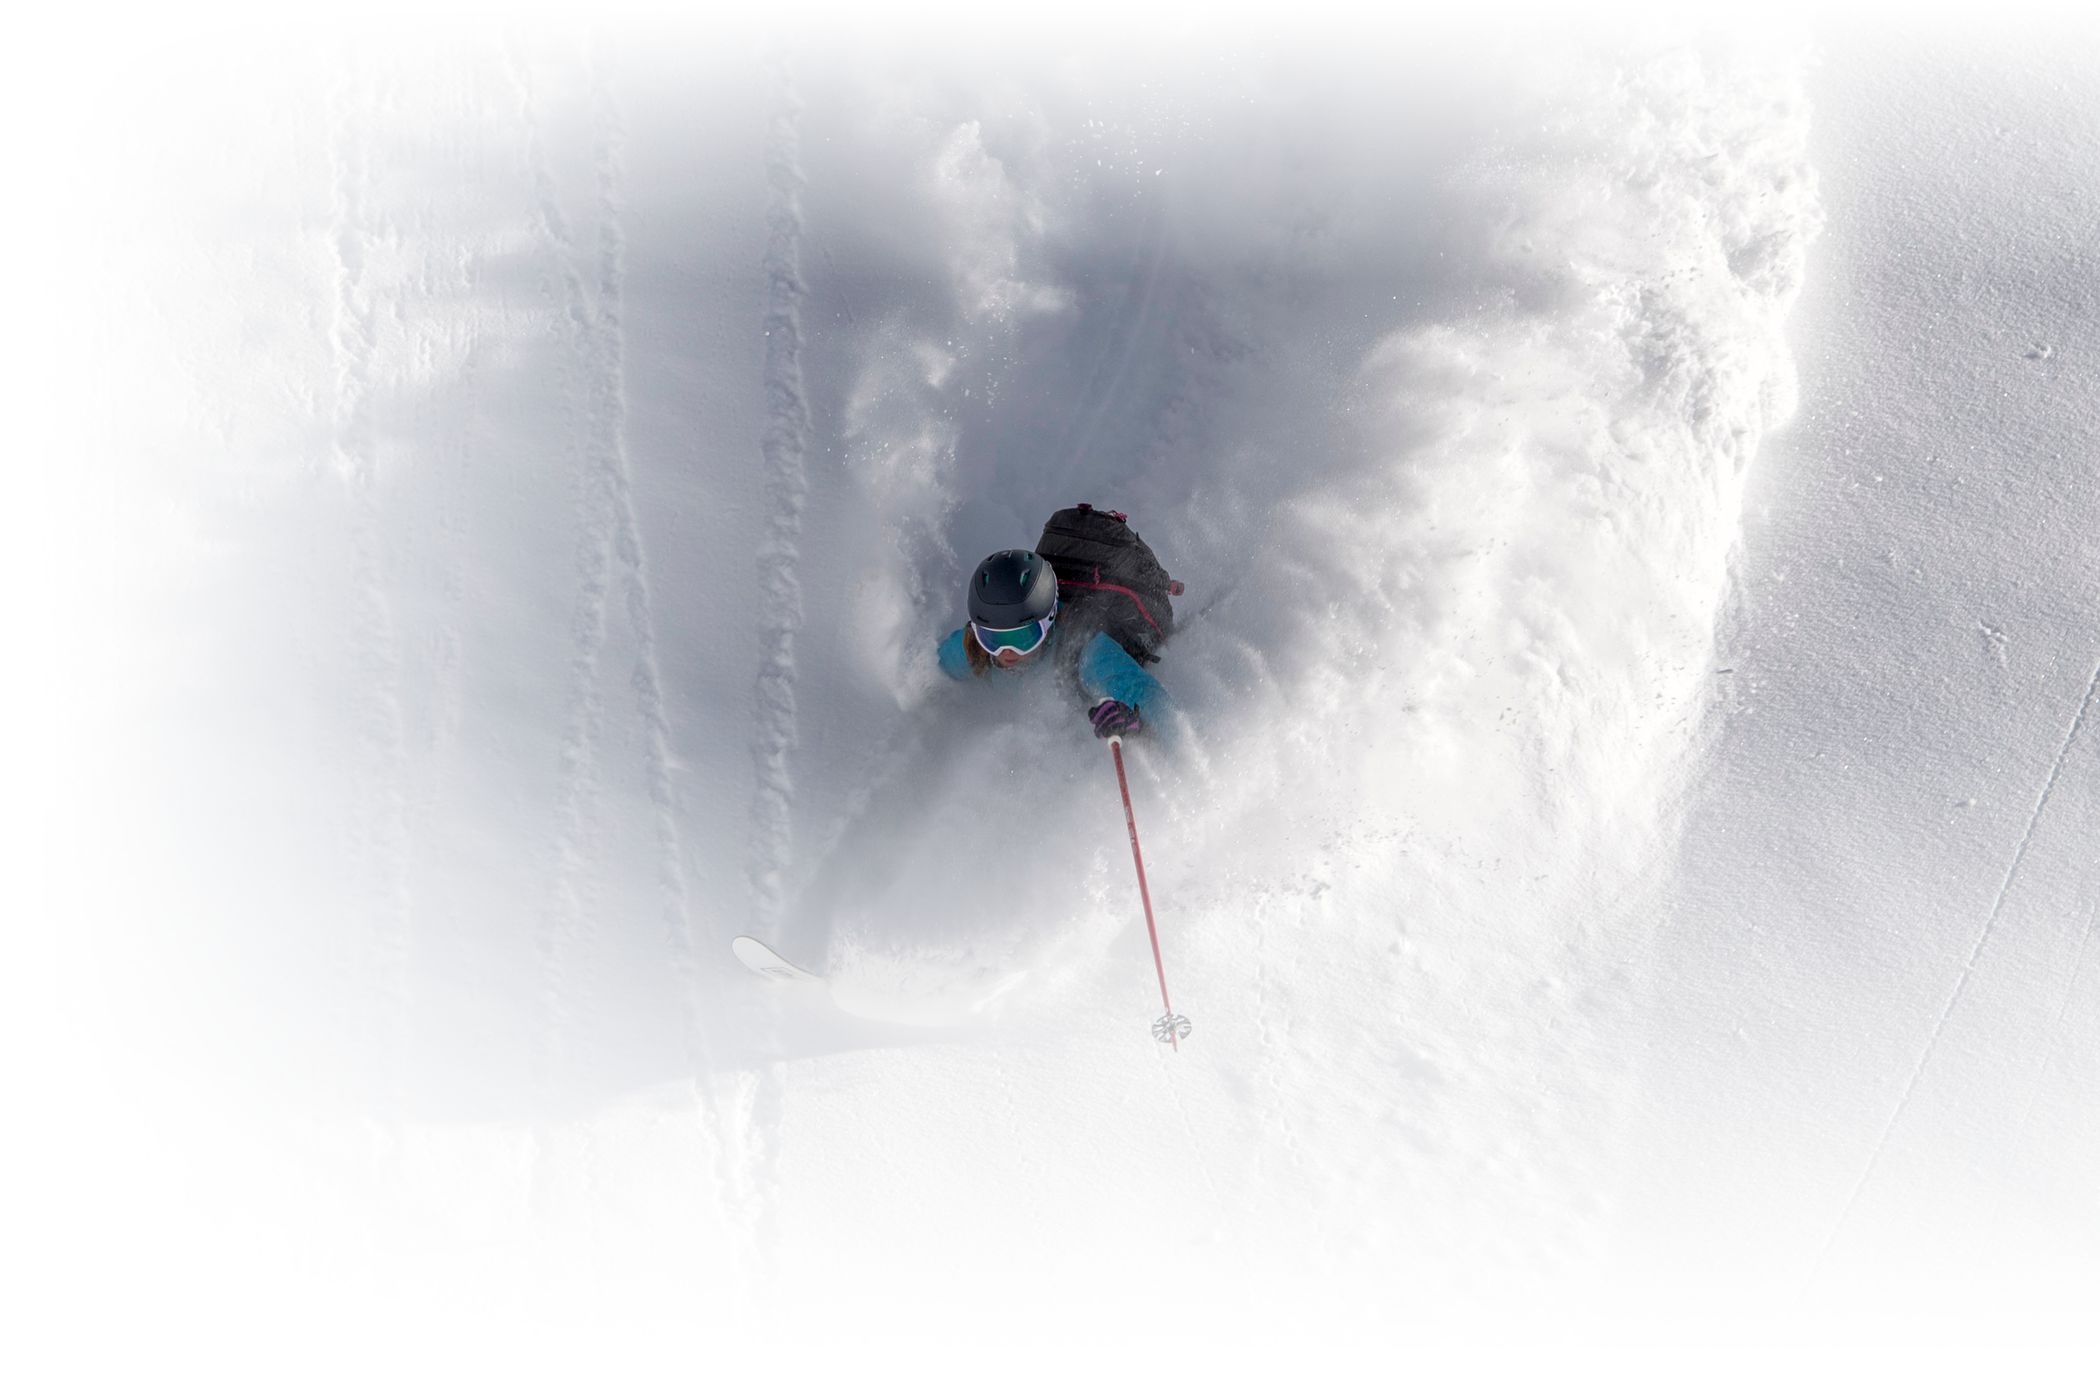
1019	640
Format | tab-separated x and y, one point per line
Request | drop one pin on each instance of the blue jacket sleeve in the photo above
1107	672
955	663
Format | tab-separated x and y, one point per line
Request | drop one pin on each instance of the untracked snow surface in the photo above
1623	838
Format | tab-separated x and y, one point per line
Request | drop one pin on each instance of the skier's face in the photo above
1008	660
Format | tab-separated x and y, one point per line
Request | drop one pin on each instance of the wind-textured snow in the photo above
504	493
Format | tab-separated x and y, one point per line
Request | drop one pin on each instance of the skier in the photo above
1091	595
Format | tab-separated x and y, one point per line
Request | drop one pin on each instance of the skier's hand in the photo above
1113	717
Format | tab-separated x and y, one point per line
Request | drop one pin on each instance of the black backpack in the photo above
1100	559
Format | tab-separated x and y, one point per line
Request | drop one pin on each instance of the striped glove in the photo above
1113	717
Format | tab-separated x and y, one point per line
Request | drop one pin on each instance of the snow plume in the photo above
922	367
1478	545
1452	698
1517	546
1447	431
987	218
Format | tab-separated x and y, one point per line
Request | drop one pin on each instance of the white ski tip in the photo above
767	963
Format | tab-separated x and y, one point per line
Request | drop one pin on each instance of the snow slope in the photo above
1877	951
520	483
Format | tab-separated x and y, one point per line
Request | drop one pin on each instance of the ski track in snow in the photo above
1122	343
612	557
455	505
571	894
383	843
1961	983
786	479
774	734
447	682
2018	1136
612	465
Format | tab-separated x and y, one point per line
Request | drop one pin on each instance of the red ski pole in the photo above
1170	1027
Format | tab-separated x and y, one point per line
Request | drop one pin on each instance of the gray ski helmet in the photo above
1012	589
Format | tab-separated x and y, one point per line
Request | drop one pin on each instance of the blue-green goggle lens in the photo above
1022	639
